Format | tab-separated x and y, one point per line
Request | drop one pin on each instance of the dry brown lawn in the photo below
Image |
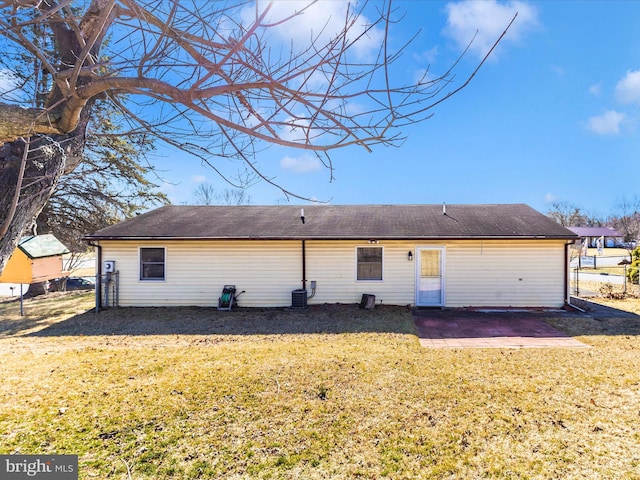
332	392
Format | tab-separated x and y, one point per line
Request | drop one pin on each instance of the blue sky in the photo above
554	115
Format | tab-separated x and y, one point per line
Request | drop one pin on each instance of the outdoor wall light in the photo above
410	255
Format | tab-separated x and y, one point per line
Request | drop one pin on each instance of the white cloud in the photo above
549	197
489	18
294	129
198	178
302	164
8	81
595	89
355	108
628	89
428	56
606	124
323	19
167	187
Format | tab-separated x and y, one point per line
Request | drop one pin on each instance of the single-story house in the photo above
423	255
610	238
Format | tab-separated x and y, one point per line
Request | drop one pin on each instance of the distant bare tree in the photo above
627	221
201	76
206	194
235	196
567	214
627	218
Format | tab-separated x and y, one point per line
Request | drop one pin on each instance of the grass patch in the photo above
612	270
334	392
609	252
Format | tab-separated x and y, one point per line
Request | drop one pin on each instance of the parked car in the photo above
72	283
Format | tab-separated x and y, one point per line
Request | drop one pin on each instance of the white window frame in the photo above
381	279
164	264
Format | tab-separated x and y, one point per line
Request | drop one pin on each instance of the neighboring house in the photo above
611	237
37	258
425	255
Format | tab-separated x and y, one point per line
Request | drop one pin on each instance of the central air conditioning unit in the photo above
299	298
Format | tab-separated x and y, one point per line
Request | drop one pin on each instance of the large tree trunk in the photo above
37	289
48	157
28	180
42	170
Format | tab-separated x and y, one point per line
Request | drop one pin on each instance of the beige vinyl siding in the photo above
333	266
477	273
507	274
196	272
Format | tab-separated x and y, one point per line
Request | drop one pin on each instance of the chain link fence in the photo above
593	276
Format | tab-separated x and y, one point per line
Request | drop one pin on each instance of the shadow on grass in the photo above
599	320
327	318
332	319
9	328
39	312
12	323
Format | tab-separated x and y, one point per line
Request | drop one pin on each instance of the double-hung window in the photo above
369	263
152	263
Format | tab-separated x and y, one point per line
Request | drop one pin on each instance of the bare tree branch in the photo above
211	78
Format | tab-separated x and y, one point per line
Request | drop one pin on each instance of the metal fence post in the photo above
106	289
117	290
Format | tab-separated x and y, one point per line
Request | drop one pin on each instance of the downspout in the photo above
98	275
304	265
304	255
567	280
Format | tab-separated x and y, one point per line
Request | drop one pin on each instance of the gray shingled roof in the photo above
337	222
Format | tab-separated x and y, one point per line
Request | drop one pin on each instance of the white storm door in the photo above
430	277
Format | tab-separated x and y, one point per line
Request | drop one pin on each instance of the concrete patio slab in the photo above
490	329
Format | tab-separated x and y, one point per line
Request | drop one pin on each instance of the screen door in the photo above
430	277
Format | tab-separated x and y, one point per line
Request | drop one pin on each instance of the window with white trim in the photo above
369	263
152	262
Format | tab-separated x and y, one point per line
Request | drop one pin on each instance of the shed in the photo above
424	255
36	259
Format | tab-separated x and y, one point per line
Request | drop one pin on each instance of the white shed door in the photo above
430	277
